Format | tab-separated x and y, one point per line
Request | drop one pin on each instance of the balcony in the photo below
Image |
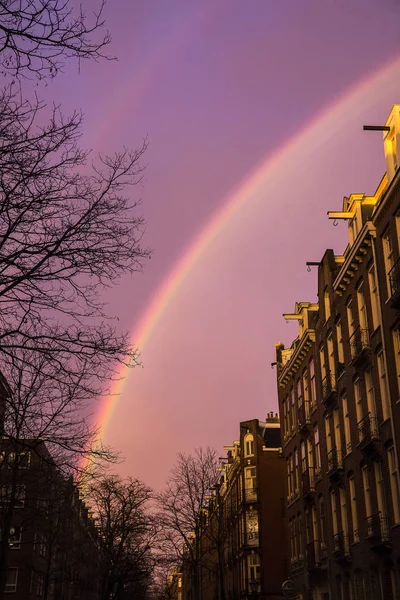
368	434
329	390
308	480
303	415
378	532
341	548
394	280
250	495
335	463
360	348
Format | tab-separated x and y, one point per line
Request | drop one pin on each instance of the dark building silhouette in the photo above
248	505
51	548
339	400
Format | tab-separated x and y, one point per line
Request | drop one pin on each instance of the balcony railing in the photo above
335	462
308	479
329	389
368	430
303	414
359	346
378	530
341	546
394	280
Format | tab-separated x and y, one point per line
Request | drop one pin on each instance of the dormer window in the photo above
249	445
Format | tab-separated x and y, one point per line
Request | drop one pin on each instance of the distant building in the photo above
243	542
339	390
51	549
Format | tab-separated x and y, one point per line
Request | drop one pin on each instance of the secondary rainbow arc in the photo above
253	184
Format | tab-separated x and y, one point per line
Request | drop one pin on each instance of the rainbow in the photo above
345	110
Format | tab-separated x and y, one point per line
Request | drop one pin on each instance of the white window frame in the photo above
248	443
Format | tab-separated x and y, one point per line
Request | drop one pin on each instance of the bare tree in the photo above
37	36
64	236
126	533
182	510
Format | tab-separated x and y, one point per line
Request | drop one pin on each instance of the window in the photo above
373	290
254	567
293	409
358	400
306	391
14	540
322	522
327	304
322	361
314	523
335	520
303	457
346	418
317	450
383	385
362	308
331	358
350	317
291	539
11	579
396	345
353	506
289	476
328	433
367	491
310	453
337	428
300	528
252	527
369	386
39	585
250	483
249	445
388	257
313	390
339	337
6	492
380	494
299	393
285	416
358	586
343	514
394	484
296	470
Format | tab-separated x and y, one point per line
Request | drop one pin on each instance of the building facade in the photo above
51	550
243	538
339	390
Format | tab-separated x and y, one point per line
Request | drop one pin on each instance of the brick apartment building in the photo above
339	400
51	550
250	504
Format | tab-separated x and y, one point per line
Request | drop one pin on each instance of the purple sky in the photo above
218	85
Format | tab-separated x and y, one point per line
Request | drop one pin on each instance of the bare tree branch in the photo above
38	36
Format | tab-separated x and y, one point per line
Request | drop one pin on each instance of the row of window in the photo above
36	586
306	401
344	504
